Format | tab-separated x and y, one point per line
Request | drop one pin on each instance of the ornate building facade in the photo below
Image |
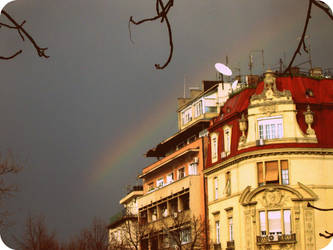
270	152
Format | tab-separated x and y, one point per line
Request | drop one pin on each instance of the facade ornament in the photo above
272	197
270	92
243	128
308	114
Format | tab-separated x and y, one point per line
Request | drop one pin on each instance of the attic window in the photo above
309	93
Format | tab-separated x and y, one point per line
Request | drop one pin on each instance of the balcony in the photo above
217	246
158	194
230	245
276	239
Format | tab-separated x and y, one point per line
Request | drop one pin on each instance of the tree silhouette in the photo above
162	11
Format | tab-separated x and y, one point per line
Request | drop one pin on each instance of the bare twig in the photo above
327	235
325	9
320	209
301	41
22	32
161	13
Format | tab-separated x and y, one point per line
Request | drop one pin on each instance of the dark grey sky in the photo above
82	119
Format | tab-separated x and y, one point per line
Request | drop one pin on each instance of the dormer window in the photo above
270	127
214	146
227	139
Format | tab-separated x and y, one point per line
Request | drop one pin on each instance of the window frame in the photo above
179	171
282	222
283	178
160	182
265	127
217	232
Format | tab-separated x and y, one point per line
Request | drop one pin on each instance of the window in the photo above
270	127
198	109
284	172
193	169
227	188
169	178
151	186
216	188
279	222
268	172
185	235
231	232
181	173
227	140
217	232
187	116
214	146
159	182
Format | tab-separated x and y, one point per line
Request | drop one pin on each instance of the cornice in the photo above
267	152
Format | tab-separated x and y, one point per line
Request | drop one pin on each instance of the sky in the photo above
81	120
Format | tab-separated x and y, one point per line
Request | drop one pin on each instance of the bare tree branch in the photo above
325	9
161	13
22	32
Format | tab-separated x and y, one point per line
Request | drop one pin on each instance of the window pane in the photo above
261	132
217	231
274	222
231	238
287	219
262	216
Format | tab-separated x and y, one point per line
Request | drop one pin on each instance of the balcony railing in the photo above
217	246
230	245
276	239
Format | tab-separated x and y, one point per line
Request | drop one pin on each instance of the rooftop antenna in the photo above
251	59
184	86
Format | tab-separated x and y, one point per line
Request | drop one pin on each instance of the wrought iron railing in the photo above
273	239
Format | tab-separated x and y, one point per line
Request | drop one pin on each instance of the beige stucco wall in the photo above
307	166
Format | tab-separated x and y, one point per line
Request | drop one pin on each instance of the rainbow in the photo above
120	151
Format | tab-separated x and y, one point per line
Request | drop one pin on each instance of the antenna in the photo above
184	86
251	59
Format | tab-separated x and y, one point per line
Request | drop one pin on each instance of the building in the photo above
173	186
270	152
124	232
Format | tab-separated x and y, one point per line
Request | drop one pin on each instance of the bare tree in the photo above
36	236
13	24
327	234
8	166
93	238
162	11
183	231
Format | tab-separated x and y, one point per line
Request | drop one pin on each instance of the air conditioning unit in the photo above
195	160
223	154
260	142
273	237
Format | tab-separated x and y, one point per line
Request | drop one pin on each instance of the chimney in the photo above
194	92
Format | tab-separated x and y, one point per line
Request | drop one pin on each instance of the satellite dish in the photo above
234	85
223	69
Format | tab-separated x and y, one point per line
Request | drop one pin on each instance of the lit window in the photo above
216	188
169	178
217	232
198	109
159	182
270	127
181	173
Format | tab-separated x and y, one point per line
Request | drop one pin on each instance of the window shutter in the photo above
272	171
260	172
284	165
